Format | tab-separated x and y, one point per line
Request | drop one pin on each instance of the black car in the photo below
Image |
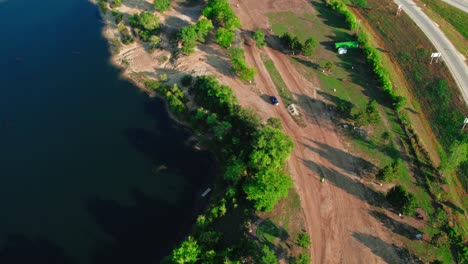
274	100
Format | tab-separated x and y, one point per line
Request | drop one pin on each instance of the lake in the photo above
91	169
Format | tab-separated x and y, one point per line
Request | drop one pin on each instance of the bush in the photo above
302	259
187	252
188	35
303	240
118	18
402	200
221	14
309	47
203	27
390	172
268	256
116	3
224	37
162	5
145	20
259	37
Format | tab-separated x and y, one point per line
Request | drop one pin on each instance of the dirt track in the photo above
337	211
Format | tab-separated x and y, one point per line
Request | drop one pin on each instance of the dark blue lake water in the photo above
79	147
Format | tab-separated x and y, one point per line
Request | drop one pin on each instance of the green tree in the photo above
186	80
188	35
309	47
224	37
162	5
154	42
286	39
372	113
295	45
302	259
203	27
303	240
402	200
221	130
115	3
268	256
187	252
327	66
259	37
247	73
235	170
390	172
145	20
440	239
266	188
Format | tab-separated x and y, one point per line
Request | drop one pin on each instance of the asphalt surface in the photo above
460	4
453	59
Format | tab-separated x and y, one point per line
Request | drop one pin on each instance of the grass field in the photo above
431	84
353	81
456	17
280	228
457	39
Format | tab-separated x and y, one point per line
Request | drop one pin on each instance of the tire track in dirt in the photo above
336	210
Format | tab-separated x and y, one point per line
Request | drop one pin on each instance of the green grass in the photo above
281	87
281	227
456	17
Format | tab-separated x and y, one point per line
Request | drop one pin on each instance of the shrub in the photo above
162	5
188	35
302	259
187	252
118	18
224	37
116	3
309	47
303	240
390	172
268	256
259	37
402	200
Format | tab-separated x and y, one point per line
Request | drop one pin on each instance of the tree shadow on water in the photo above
19	249
390	253
142	232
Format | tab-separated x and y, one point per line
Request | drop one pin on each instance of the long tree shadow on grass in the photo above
390	253
328	16
271	235
349	185
394	225
19	249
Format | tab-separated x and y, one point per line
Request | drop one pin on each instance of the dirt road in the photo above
337	211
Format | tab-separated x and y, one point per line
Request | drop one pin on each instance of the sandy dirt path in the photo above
337	211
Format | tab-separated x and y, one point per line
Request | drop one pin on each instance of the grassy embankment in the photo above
451	21
437	94
327	29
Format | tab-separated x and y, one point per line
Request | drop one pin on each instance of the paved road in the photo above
454	60
460	4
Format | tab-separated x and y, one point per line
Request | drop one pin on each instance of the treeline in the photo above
253	157
296	46
218	14
399	197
